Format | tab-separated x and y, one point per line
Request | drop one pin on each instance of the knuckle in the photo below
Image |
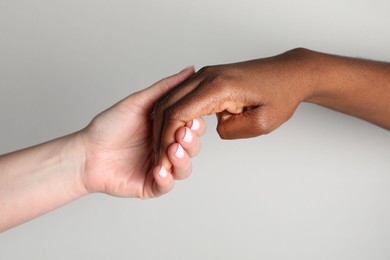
221	81
206	70
218	77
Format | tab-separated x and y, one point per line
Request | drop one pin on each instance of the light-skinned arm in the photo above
113	155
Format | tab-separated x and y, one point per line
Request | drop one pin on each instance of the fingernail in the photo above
188	67
188	136
180	152
163	172
195	125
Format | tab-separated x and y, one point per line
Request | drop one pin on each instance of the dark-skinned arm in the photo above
255	97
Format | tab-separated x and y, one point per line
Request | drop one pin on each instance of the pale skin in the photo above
113	155
255	97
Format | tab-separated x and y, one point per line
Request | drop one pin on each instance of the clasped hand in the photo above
123	152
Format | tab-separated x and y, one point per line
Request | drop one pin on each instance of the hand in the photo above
119	147
250	98
113	154
255	97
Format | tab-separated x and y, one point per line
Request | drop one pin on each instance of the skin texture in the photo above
255	97
113	155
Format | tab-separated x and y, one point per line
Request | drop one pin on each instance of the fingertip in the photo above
179	152
197	125
189	68
188	140
163	172
163	180
188	136
181	163
187	72
177	155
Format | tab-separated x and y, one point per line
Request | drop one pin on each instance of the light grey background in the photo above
317	188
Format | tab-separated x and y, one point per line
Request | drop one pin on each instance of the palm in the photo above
119	150
119	146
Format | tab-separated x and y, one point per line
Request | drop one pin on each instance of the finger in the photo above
248	124
205	99
188	140
253	121
181	163
197	126
162	181
163	86
160	114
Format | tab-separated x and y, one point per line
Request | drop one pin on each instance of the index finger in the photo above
196	100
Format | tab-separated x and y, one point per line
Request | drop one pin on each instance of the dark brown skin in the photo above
255	97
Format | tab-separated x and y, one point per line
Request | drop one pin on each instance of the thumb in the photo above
152	94
250	123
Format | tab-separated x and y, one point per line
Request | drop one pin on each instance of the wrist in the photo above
72	159
318	75
307	68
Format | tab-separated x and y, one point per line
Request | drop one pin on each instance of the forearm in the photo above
36	180
353	86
